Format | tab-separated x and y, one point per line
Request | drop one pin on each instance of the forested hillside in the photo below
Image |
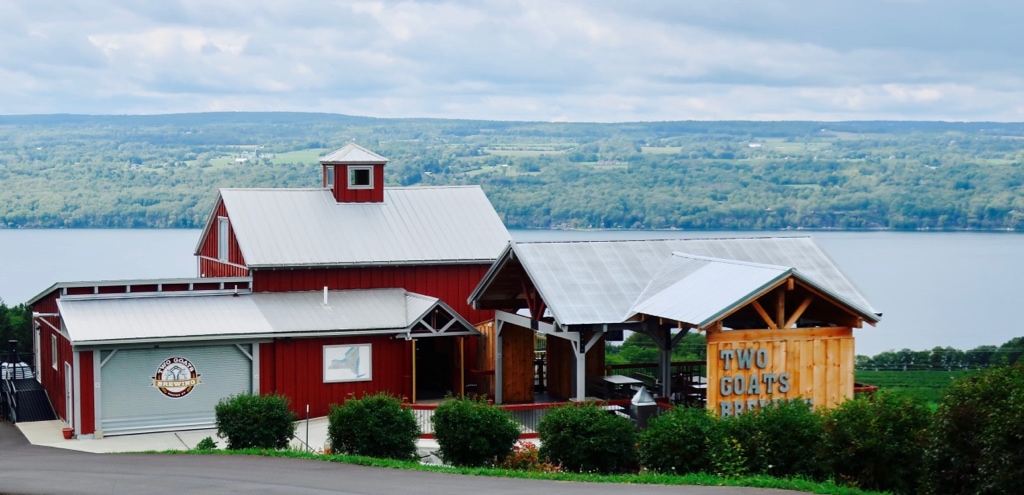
163	171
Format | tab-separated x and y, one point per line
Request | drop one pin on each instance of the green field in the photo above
928	385
301	156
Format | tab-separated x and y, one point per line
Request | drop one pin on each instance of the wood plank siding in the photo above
209	264
343	194
517	363
818	364
450	283
295	368
51	375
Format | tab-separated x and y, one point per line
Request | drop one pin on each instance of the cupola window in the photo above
360	177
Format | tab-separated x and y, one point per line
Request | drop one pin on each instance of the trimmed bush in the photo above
779	439
255	421
473	433
876	445
976	442
373	426
584	438
680	441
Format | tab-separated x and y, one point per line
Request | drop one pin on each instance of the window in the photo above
222	238
53	350
330	176
360	177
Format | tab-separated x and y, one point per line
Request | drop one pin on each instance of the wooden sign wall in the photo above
749	368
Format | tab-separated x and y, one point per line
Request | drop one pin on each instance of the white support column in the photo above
76	395
580	350
97	394
497	361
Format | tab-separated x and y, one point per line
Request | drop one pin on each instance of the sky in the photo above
546	60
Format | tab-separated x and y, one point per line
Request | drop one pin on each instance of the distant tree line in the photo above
15	324
946	358
68	171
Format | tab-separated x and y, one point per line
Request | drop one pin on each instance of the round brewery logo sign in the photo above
176	377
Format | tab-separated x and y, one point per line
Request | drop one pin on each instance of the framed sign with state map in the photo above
347	363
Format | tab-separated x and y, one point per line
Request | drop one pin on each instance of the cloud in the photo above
598	60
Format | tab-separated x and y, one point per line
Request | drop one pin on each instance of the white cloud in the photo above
598	60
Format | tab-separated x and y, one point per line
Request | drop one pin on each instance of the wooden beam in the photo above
799	311
780	308
790	283
764	315
785	334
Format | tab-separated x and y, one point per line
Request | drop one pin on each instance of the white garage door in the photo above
174	388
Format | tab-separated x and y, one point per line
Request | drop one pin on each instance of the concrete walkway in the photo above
49	434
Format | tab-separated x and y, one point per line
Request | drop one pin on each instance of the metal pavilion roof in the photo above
307	227
694	289
600	282
353	153
109	319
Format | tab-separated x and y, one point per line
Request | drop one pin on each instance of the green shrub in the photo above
472	432
206	444
680	441
877	445
373	426
976	442
779	439
585	438
255	421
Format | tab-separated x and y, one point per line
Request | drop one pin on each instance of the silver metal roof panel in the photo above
355	154
697	290
599	281
100	319
307	227
97	320
345	310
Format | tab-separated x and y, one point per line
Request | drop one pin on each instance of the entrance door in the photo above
437	368
69	396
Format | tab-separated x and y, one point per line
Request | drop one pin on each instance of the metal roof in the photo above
355	154
107	319
696	290
599	281
307	227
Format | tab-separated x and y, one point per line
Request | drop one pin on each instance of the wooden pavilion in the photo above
778	316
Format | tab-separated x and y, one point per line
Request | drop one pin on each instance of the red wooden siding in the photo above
295	368
86	385
345	195
209	266
52	379
451	283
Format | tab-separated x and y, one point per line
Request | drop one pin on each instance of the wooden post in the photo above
462	366
413	371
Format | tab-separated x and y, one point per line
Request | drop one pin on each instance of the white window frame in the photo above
330	176
352	175
222	238
53	350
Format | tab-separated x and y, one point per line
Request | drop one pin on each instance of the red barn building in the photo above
318	294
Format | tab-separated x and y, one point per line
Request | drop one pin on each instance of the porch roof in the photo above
172	317
688	280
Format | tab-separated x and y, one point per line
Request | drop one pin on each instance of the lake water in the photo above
935	289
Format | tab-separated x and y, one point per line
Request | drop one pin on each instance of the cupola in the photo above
354	174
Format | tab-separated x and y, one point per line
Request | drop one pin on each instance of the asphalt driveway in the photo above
26	468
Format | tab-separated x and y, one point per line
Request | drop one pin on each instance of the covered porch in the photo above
578	296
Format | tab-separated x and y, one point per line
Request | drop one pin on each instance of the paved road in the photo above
26	468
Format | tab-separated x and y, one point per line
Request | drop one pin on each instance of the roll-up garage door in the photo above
174	388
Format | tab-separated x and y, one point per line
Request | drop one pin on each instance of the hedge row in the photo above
972	444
